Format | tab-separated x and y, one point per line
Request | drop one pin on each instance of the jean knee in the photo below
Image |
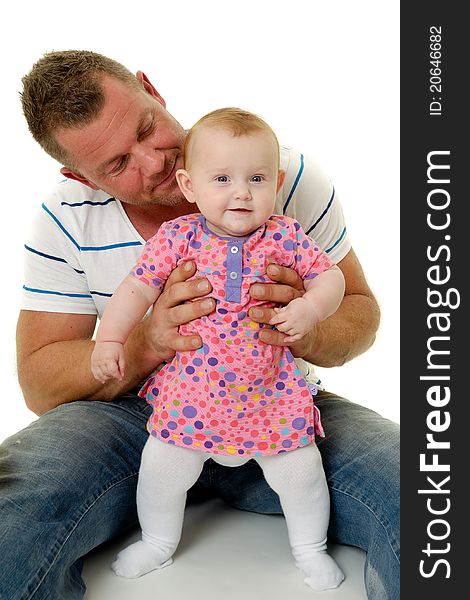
60	478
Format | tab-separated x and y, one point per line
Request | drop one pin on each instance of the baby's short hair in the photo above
236	121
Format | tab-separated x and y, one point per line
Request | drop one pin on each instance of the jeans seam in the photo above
72	530
133	411
375	516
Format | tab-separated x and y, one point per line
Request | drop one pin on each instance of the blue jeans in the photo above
68	482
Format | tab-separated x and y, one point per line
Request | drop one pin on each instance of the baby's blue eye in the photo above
257	178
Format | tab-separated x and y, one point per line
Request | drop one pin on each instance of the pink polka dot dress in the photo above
235	396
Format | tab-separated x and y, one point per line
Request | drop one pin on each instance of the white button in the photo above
234	249
233	275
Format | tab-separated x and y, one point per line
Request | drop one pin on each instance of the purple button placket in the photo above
233	282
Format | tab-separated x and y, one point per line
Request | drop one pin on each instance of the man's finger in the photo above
271	292
272	337
293	338
261	314
285	276
179	292
184	313
182	343
181	273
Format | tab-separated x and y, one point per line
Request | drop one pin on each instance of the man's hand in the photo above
339	338
171	310
54	349
296	319
286	287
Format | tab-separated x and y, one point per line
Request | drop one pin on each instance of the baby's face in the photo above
234	179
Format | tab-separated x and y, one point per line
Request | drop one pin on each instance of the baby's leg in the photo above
299	480
166	473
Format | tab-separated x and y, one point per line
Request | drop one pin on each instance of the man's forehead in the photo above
124	113
109	83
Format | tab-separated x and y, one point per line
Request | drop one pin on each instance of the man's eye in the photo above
147	131
119	166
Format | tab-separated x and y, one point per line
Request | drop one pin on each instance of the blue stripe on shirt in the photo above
55	293
50	257
95	293
296	182
89	203
87	248
323	213
343	233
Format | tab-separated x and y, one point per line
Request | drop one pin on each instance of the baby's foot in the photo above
138	559
322	572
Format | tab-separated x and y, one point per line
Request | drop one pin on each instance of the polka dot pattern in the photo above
235	395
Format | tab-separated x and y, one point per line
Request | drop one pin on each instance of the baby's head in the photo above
231	159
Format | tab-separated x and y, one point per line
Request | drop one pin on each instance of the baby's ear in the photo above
185	184
280	180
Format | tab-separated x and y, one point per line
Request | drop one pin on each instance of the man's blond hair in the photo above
63	91
236	121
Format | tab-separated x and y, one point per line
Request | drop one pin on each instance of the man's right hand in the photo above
171	310
54	349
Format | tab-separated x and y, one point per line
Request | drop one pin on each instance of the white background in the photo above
323	74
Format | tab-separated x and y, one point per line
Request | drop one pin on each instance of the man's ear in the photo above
185	184
77	177
149	88
280	180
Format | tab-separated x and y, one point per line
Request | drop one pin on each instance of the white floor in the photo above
224	553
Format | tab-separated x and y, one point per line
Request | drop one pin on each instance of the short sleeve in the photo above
54	280
159	257
310	259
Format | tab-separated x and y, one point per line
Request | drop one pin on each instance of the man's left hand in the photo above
287	286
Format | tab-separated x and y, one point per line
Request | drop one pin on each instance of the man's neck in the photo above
147	220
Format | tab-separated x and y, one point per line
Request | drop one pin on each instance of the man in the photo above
68	480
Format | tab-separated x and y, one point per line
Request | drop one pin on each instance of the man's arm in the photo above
349	332
54	349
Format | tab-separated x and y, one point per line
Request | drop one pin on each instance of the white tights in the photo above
166	474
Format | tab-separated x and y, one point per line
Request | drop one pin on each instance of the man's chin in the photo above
155	199
172	196
170	200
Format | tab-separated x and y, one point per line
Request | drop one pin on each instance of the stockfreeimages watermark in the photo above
441	299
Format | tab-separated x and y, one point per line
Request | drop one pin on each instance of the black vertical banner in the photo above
435	267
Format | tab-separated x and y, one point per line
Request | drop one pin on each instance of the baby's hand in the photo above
107	361
296	319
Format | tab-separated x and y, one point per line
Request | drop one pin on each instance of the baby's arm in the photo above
323	296
123	312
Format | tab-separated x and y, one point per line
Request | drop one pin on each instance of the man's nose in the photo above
149	159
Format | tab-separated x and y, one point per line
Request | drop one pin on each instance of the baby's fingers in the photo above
120	367
285	328
280	317
99	375
108	370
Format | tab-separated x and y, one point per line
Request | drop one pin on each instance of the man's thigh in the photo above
67	484
360	455
361	459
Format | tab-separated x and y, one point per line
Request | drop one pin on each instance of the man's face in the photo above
131	150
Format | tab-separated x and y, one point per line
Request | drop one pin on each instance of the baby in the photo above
235	398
